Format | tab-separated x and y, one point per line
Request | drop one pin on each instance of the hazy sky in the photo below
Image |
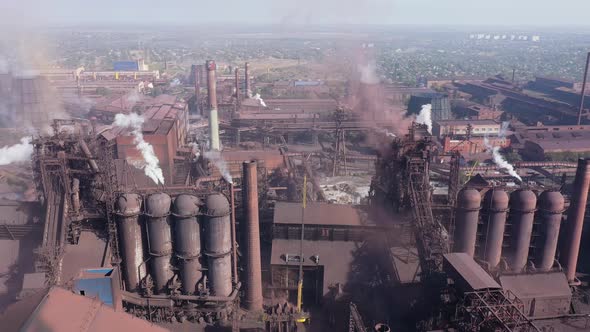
449	12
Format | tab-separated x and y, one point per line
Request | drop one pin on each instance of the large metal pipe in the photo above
253	270
237	82
247	91
551	206
575	220
494	209
466	219
127	209
197	77
522	214
187	243
91	162
212	94
159	240
218	244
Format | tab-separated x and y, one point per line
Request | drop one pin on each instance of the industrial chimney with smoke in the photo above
212	95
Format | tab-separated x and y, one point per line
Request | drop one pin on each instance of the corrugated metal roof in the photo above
543	285
62	310
319	214
473	274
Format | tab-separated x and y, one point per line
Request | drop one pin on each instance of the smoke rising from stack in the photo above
151	165
20	152
215	158
368	73
500	160
259	99
425	117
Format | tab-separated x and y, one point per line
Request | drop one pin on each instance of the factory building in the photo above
475	145
441	106
553	142
451	128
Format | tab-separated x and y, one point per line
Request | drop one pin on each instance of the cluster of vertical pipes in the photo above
524	207
159	218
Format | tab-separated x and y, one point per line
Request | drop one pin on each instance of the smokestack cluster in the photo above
212	98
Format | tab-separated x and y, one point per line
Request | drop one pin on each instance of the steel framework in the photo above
492	310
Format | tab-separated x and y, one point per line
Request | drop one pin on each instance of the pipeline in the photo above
91	162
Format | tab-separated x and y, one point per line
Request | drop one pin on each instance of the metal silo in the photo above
187	240
128	208
494	208
218	245
159	240
466	219
570	248
522	214
551	206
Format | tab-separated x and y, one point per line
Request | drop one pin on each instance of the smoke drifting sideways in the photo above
425	117
16	153
259	99
151	164
220	164
500	160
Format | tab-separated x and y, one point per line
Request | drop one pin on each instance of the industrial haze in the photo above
378	165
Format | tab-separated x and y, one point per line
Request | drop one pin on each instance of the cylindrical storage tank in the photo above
522	215
466	219
494	209
551	206
127	209
159	240
575	220
187	243
218	245
253	271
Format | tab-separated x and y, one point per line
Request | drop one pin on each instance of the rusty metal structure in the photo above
253	270
551	207
492	310
522	213
466	220
575	220
494	210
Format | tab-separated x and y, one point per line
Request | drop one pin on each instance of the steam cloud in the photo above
259	99
499	159
368	73
16	153
151	167
425	117
217	160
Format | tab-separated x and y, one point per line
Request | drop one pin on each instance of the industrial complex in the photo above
212	200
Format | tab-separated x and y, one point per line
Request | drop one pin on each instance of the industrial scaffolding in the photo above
492	310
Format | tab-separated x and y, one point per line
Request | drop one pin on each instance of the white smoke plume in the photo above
425	117
500	160
16	153
195	149
217	160
259	99
368	73
151	167
504	129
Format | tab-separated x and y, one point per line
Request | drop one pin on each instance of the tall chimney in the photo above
197	78
237	73
253	298
212	94
247	92
575	220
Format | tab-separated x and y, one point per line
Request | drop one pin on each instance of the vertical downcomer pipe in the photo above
237	78
575	219
467	217
218	244
522	212
551	206
247	91
128	208
495	206
212	94
160	240
253	298
187	243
